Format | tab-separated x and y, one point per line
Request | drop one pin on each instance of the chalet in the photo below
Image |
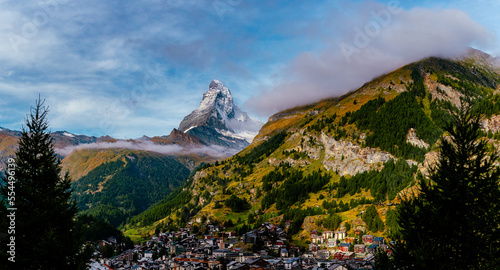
234	265
344	247
263	253
189	266
189	243
284	252
128	255
313	247
269	227
314	238
348	256
245	256
149	254
318	240
378	241
282	233
324	254
257	263
280	243
212	228
330	265
372	249
295	251
293	263
222	253
349	240
104	243
359	248
276	264
112	240
231	234
314	233
367	239
332	242
338	255
249	238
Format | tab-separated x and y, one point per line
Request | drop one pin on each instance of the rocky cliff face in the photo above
341	156
492	124
183	139
412	138
348	158
442	92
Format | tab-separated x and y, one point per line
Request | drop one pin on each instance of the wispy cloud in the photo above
171	149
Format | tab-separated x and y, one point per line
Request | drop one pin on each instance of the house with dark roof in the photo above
378	241
372	249
284	252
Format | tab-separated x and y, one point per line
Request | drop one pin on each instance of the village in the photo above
270	249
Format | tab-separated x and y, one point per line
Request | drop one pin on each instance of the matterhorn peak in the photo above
218	113
221	94
216	84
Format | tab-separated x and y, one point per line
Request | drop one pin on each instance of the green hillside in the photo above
320	166
127	183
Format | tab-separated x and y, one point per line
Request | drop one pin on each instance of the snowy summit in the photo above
219	121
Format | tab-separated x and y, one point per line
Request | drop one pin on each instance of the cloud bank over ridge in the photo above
170	149
368	40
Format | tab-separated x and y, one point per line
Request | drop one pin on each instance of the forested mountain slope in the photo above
120	182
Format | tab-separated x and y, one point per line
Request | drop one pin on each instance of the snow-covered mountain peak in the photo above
218	113
216	84
217	96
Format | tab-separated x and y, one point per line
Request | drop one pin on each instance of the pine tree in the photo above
454	222
44	225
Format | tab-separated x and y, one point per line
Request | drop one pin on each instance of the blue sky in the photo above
133	68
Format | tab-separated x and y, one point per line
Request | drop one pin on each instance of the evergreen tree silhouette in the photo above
44	225
454	222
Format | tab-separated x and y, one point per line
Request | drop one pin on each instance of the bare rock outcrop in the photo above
441	91
348	158
429	161
492	124
412	138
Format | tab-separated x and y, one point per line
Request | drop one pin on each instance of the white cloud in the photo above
376	39
171	149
